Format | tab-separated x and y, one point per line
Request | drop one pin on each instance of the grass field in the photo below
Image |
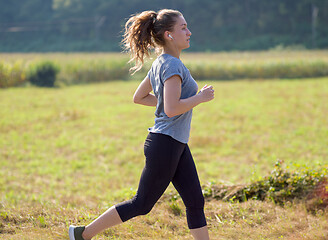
76	68
67	154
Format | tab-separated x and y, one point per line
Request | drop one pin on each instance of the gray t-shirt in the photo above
164	67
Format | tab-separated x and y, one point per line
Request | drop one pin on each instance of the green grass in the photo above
77	68
67	154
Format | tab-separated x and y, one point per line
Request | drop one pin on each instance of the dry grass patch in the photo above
251	220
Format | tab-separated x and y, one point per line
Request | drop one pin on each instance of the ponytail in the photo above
144	32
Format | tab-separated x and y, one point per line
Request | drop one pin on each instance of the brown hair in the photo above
145	31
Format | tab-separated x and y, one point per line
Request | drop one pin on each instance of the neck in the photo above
173	51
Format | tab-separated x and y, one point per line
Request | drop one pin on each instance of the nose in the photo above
189	33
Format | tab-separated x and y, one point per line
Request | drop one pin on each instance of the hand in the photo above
207	93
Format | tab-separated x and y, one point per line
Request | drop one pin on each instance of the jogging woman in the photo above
168	158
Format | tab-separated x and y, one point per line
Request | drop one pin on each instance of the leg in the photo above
200	233
162	156
187	183
108	219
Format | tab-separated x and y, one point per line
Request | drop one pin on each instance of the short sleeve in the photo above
148	74
171	68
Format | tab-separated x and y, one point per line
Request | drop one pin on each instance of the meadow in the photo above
77	68
69	153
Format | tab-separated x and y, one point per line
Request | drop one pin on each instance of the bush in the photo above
280	186
43	74
11	74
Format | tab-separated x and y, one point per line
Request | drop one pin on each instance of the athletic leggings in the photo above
167	160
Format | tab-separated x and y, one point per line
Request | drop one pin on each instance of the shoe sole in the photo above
71	232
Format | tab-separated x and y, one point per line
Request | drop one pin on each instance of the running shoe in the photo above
75	233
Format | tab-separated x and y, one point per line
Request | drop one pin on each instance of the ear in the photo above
166	36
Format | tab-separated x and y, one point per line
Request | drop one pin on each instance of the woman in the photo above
168	158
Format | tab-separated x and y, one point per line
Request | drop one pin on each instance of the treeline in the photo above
83	25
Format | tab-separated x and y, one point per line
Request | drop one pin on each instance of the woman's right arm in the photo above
173	105
143	96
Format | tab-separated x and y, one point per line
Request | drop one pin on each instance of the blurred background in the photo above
221	25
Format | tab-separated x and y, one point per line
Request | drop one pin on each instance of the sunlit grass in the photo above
81	68
67	154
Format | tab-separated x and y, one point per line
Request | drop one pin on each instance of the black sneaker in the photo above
75	233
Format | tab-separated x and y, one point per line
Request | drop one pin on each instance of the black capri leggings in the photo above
167	160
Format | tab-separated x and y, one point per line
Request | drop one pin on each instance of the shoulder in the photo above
166	66
173	60
172	63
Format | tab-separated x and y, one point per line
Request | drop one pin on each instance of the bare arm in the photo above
143	96
173	105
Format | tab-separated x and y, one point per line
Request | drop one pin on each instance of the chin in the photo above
187	46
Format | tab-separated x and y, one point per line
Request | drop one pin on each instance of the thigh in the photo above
186	181
162	156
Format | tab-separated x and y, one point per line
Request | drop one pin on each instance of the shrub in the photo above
280	186
43	74
11	74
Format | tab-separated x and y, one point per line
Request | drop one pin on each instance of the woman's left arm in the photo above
143	96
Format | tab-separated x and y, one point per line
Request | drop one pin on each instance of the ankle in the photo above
85	235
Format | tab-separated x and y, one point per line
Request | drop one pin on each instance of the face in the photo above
181	33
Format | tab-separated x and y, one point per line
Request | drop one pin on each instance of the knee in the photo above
142	207
143	210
